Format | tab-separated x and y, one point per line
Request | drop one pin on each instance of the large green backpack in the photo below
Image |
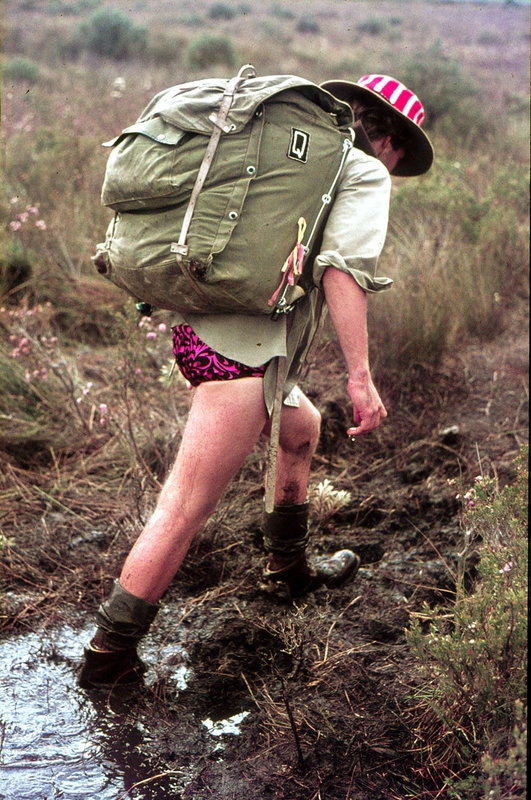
221	190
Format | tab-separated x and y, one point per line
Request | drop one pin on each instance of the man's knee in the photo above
301	433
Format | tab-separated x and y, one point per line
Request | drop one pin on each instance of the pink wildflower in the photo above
40	223
151	335
104	414
163	327
506	567
15	225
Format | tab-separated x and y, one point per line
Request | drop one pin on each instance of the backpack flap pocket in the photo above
141	170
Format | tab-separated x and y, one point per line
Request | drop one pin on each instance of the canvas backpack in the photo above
221	189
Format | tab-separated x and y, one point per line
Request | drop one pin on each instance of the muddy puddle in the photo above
59	742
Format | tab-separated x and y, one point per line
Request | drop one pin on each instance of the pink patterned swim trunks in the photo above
200	364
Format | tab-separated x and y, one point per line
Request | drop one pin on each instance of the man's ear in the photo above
361	140
387	143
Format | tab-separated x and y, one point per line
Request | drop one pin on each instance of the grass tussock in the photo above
457	252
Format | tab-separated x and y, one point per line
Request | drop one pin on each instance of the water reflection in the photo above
59	742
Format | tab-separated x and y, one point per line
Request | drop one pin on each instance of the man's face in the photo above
386	153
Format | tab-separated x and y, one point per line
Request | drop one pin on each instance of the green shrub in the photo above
209	49
308	25
64	8
111	34
191	20
474	655
488	38
222	11
282	12
373	27
164	49
440	85
516	103
21	69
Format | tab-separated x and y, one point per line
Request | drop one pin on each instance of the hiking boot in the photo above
111	659
302	576
286	538
106	669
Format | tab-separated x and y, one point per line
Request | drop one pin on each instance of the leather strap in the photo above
274	436
180	248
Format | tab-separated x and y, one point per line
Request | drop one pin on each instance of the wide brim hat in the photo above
402	102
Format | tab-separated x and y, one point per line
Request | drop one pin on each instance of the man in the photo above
231	360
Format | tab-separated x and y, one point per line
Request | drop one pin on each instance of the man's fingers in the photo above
367	424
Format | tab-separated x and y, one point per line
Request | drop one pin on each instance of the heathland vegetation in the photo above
89	413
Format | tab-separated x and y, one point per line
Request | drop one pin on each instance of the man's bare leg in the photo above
224	422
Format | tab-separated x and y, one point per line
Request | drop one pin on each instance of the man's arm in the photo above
347	305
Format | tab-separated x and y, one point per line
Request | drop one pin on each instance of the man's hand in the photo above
367	408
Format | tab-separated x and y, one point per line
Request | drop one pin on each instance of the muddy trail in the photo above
249	694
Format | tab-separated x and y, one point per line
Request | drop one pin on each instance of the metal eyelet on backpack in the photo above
326	198
233	215
251	170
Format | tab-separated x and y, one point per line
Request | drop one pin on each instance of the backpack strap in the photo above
274	435
180	248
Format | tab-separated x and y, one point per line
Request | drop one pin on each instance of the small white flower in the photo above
328	500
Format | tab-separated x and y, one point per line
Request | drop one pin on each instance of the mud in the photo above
250	694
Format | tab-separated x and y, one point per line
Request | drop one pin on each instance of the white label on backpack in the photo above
299	145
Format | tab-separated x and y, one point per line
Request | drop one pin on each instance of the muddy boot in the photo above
111	658
286	538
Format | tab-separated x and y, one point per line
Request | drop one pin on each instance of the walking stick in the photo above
274	437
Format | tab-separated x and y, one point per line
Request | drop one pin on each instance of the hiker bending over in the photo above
231	360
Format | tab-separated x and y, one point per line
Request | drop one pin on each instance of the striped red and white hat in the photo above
403	102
